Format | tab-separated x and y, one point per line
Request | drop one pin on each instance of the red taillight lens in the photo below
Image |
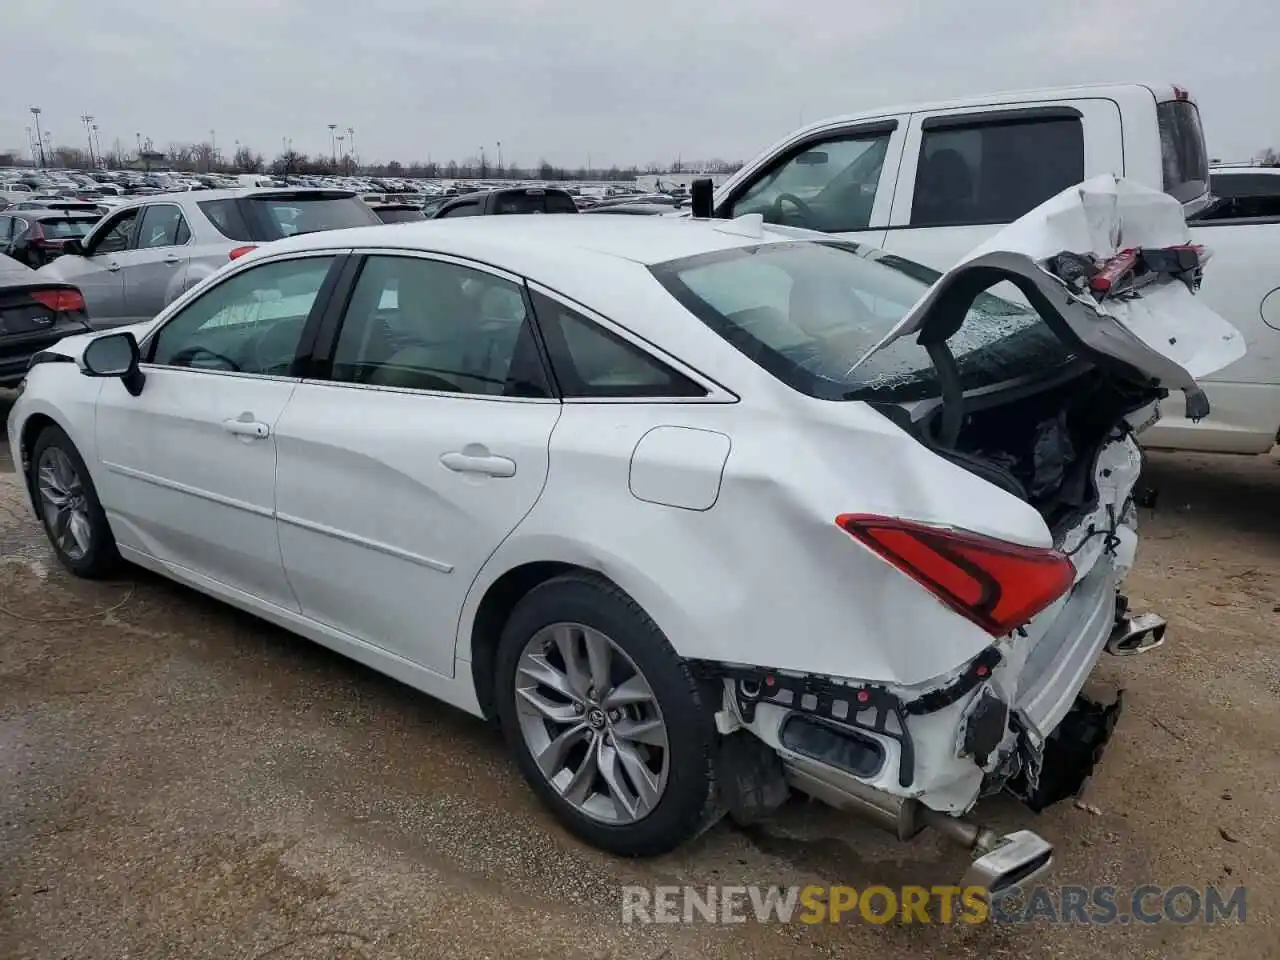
239	252
59	301
997	585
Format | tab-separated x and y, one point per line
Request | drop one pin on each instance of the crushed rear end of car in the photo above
1039	399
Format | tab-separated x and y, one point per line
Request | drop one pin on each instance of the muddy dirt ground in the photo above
178	780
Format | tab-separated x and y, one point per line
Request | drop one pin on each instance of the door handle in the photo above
242	427
488	465
171	260
113	267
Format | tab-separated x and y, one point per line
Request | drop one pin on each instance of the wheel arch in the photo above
524	565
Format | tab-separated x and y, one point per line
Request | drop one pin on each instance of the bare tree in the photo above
70	158
1270	157
246	161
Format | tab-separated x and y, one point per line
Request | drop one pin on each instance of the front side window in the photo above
829	186
590	361
994	172
116	237
809	312
429	325
162	226
249	323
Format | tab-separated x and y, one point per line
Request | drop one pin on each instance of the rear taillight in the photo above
59	301
239	252
997	585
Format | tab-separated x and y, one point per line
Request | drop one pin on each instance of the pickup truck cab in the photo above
929	182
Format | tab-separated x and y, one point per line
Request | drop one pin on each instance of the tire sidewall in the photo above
689	793
102	557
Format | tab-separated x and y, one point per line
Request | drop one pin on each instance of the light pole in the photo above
213	149
138	136
351	142
342	137
87	120
500	158
35	112
98	137
333	146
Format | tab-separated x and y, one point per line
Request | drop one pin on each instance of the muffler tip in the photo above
1019	858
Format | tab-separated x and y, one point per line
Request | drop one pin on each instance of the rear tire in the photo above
607	723
68	505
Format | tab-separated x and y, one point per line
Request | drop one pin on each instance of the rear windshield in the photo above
539	202
400	216
1186	163
1243	196
290	216
263	218
807	312
61	229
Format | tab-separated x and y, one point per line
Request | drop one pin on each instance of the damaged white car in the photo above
700	511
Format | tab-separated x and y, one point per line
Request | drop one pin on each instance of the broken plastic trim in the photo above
864	707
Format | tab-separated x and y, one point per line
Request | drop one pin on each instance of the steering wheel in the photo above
185	358
805	211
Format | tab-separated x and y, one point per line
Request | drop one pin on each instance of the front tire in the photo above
607	723
69	508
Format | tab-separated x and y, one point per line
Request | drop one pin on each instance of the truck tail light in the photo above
996	584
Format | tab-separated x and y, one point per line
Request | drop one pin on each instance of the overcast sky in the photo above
620	82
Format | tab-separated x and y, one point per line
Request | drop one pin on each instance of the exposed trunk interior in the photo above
1041	444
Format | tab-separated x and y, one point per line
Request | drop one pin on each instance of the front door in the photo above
419	448
189	465
837	180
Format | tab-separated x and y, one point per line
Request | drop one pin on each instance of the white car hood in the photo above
1165	332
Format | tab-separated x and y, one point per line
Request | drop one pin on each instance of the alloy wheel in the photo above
592	723
64	503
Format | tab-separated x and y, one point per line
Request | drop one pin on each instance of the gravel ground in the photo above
180	780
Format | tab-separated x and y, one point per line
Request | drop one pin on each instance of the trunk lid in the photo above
1155	328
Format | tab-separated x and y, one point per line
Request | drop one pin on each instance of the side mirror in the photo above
702	198
73	246
114	355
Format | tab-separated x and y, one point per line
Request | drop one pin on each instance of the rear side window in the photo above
1182	149
226	218
995	172
590	361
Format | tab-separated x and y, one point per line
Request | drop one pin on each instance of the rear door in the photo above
967	172
158	261
837	180
418	446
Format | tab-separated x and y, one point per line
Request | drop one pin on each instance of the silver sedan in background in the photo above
143	255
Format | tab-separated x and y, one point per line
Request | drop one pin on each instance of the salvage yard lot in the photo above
180	780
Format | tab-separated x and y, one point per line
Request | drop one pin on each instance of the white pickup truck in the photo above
930	182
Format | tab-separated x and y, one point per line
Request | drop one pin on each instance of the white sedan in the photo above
679	503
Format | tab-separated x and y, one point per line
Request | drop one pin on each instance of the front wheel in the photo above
69	507
607	724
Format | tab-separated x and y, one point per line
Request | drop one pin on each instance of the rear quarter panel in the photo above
764	576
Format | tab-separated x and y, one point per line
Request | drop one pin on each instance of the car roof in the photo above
520	242
203	196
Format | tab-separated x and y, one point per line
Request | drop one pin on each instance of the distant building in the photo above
662	182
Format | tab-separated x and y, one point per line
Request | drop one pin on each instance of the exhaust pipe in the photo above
1134	635
1004	862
